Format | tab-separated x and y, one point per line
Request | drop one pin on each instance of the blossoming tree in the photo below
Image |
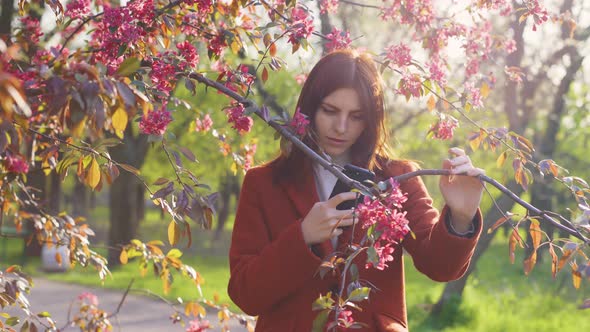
69	95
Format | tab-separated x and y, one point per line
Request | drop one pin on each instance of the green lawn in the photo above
498	297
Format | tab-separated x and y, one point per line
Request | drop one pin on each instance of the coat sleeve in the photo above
263	271
436	251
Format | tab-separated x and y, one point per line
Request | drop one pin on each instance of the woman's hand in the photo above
462	194
323	219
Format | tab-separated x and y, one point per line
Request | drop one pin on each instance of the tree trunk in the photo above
80	200
230	187
127	194
6	20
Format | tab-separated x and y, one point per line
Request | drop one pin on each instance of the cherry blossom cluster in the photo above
302	26
338	39
204	124
77	9
198	325
389	224
155	122
299	123
444	128
240	122
329	6
15	164
120	28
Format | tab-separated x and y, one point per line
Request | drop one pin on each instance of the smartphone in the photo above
356	173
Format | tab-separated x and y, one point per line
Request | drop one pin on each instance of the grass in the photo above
498	296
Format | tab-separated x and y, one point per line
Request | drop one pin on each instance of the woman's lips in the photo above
336	141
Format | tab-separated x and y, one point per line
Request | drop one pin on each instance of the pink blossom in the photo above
16	164
345	318
162	74
249	156
399	54
216	45
510	46
410	86
189	53
537	11
78	9
299	123
514	74
300	78
472	67
155	122
302	25
203	125
89	298
328	6
390	225
31	29
437	72
198	325
444	128
239	121
473	95
338	40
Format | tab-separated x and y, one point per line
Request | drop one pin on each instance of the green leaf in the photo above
174	253
359	294
320	321
128	66
44	314
12	321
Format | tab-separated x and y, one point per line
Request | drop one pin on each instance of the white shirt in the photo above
325	182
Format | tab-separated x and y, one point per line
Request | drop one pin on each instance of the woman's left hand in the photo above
462	194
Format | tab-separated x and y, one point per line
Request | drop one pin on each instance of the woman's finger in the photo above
457	151
347	196
457	161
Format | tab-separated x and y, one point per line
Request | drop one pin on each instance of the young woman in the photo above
284	221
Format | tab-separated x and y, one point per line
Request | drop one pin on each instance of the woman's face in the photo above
339	121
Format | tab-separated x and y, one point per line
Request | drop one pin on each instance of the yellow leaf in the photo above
234	168
58	258
123	257
120	120
501	159
78	128
529	263
173	233
485	90
431	103
93	177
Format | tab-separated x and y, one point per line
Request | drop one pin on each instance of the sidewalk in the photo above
138	313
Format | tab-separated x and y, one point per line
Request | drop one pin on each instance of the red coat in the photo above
273	271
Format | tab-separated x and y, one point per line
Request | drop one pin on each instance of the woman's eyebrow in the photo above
337	108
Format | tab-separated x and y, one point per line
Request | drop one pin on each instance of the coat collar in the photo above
303	194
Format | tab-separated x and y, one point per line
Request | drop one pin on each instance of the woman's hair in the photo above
337	70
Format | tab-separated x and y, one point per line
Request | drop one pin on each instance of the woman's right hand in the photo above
323	219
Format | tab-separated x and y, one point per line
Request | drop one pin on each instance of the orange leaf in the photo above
273	49
576	279
58	258
124	258
500	221
553	260
530	262
190	236
264	74
535	232
512	245
431	103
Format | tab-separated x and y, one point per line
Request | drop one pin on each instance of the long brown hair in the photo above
337	70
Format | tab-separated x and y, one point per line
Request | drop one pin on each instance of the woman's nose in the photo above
341	125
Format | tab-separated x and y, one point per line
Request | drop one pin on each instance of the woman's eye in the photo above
358	117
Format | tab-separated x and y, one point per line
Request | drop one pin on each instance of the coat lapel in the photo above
304	195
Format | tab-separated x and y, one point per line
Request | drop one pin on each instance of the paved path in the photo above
138	313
